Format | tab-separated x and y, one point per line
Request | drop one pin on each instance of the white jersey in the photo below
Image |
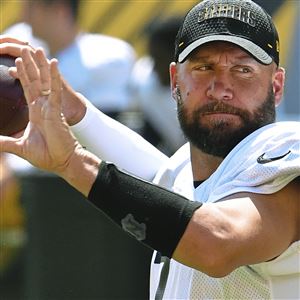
97	65
245	169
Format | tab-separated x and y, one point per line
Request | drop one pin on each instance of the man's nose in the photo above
220	87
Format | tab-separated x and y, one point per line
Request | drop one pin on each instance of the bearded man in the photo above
223	213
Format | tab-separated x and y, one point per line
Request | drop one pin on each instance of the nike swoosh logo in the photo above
264	160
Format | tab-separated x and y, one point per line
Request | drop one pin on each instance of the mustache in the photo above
220	107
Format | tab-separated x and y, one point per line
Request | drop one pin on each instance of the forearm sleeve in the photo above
113	141
153	215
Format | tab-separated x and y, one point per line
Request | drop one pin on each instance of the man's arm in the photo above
245	229
108	138
100	134
113	141
214	238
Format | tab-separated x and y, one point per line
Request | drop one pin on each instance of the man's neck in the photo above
203	164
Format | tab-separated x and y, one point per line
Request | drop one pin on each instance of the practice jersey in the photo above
97	65
264	162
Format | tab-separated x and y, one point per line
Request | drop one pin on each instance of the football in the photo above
13	106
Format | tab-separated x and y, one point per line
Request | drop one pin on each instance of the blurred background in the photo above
131	19
53	245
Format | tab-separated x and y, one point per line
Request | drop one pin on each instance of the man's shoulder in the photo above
278	128
288	127
97	56
264	162
270	136
23	32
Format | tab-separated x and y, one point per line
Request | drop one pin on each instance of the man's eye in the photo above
244	70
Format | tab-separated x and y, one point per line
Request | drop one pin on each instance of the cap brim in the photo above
249	46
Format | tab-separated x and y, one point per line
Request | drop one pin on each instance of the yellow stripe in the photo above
180	7
92	12
130	19
285	21
9	12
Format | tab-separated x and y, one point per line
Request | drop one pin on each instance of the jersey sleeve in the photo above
264	163
114	142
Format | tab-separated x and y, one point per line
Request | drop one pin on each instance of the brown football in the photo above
13	106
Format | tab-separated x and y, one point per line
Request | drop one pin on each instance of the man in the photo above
243	242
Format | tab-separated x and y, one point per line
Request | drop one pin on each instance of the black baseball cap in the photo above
241	22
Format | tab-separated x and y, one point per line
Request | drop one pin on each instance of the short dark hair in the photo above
165	30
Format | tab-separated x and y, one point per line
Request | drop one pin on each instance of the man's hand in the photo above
73	106
47	141
13	46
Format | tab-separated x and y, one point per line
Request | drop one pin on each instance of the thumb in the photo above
10	145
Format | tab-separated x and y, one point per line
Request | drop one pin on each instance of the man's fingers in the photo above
10	145
56	83
28	74
9	39
30	66
13	72
24	80
44	69
14	49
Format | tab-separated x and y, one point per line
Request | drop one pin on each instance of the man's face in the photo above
40	16
224	95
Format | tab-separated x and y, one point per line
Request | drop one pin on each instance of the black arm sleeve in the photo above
153	215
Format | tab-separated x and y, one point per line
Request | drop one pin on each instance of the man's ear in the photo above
173	79
278	84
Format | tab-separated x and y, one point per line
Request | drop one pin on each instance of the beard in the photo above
221	137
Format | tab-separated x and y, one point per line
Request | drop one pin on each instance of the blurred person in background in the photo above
151	87
95	65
